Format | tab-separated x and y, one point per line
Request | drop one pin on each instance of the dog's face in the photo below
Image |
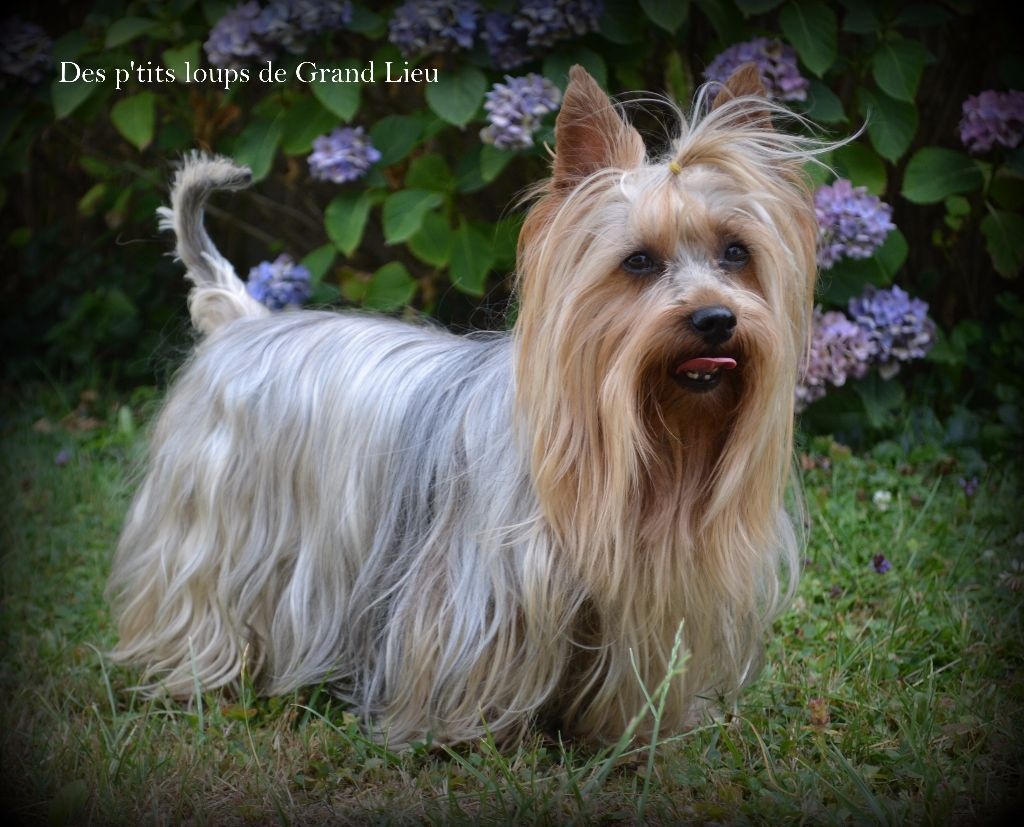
664	298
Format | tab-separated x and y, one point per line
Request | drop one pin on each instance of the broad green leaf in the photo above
432	243
404	210
923	14
667	14
728	25
175	59
390	287
847	277
933	173
430	172
257	146
862	166
810	26
861	19
366	22
345	219
126	29
892	124
319	261
457	94
881	398
823	105
493	161
1004	238
897	65
620	23
67	97
303	123
69	46
471	259
339	97
394	137
135	118
557	65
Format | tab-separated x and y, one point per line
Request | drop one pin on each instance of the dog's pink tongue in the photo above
707	363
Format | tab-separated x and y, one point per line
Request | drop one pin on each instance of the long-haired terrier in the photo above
461	535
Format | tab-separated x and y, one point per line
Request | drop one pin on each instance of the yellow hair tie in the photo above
674	168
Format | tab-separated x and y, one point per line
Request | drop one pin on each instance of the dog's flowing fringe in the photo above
470	533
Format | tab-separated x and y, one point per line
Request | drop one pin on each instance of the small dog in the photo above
470	535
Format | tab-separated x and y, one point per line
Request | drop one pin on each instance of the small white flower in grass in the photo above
882	499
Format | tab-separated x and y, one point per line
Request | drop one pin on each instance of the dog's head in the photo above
664	302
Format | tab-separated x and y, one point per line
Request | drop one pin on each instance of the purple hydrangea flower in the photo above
279	283
991	118
344	155
514	110
424	27
24	51
898	325
851	222
840	349
880	563
234	41
776	62
513	39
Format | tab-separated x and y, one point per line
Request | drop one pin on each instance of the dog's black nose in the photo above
715	324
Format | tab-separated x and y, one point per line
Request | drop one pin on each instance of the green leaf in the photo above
678	80
430	172
341	98
390	287
810	26
728	25
457	95
823	105
126	29
620	23
303	123
1004	238
67	97
319	261
257	146
345	219
862	166
752	7
471	260
881	398
923	14
69	46
933	173
668	14
847	277
394	137
892	124
432	243
897	65
175	59
404	210
493	161
135	118
861	19
557	64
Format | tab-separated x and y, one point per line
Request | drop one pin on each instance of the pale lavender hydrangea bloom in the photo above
898	326
840	349
279	283
852	222
424	27
514	39
991	118
776	62
233	41
24	51
344	155
514	109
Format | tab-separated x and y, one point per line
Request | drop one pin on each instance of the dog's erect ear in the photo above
589	134
745	82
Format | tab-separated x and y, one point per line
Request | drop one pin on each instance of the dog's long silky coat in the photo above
472	534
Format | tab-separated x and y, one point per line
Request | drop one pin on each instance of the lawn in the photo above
893	690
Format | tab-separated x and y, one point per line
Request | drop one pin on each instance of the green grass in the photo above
886	698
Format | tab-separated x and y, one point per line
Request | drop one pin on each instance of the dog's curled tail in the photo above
219	296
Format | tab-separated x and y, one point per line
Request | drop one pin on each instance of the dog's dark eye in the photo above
734	256
641	263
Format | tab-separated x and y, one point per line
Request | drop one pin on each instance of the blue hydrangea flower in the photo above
25	51
280	283
776	62
991	118
234	41
898	325
851	222
840	349
535	25
424	27
515	108
344	155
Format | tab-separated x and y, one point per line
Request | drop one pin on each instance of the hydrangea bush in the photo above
390	147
